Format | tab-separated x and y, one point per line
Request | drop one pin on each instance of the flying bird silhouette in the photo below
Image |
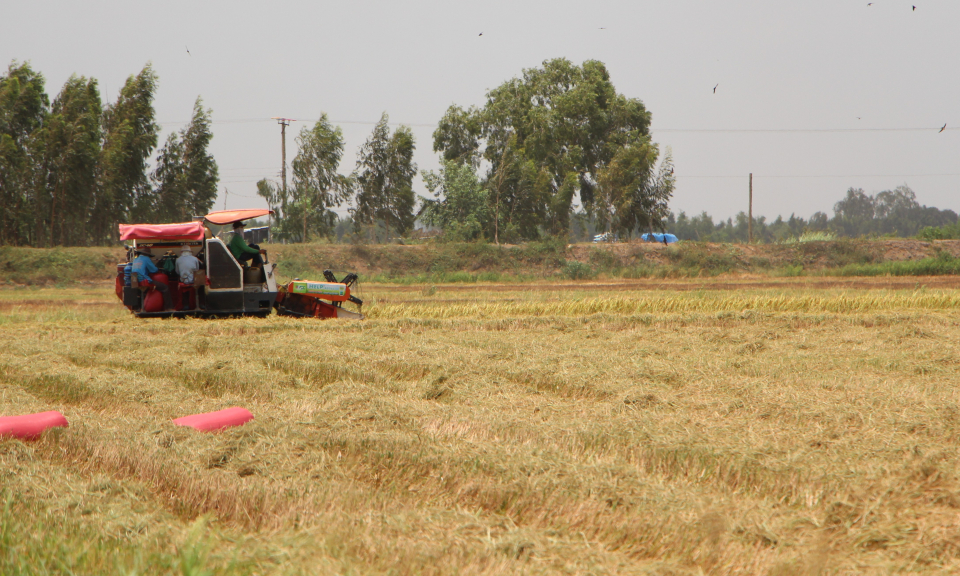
481	34
715	88
914	8
188	51
942	129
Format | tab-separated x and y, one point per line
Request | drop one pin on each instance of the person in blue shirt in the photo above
143	266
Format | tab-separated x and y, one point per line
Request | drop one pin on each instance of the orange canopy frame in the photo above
223	217
179	231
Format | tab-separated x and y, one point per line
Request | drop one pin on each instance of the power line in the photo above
792	130
816	175
688	130
234	180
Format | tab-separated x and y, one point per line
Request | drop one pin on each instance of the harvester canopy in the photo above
171	232
224	217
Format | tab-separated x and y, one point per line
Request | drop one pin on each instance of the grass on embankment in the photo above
20	265
438	263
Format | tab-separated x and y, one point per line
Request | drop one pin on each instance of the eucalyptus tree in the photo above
23	108
558	127
634	193
168	201
130	136
200	168
317	186
276	201
384	179
72	136
186	174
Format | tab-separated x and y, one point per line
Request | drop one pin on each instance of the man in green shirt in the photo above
241	251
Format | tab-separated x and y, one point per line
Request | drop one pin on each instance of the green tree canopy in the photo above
634	196
557	127
71	171
129	140
384	179
200	168
186	174
317	186
23	108
72	137
461	207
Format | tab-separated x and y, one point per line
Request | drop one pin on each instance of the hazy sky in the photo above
814	96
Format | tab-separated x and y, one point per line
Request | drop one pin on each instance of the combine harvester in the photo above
223	286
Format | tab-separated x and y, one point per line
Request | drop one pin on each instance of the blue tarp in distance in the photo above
657	237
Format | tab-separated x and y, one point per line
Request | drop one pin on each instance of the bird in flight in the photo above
188	51
914	8
942	129
481	34
715	88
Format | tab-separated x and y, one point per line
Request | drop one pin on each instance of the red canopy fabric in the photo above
222	217
179	231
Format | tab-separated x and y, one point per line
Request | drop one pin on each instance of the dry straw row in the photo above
841	303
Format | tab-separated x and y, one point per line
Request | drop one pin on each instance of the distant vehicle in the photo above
606	237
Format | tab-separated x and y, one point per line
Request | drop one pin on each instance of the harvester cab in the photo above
223	286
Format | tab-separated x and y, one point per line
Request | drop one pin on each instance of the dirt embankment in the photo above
59	265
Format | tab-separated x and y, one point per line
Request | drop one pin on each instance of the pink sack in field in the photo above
213	421
30	426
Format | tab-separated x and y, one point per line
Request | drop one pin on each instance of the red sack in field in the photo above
152	301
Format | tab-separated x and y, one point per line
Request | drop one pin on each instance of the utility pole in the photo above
750	213
283	122
226	192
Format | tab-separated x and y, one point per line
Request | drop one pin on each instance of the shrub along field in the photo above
758	428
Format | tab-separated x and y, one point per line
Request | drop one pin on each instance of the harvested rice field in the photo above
652	427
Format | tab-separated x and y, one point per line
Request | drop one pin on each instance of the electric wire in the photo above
678	130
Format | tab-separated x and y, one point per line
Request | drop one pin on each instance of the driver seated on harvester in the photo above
241	251
143	266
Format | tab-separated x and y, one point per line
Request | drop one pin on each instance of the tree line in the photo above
72	170
555	152
512	170
380	189
889	213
